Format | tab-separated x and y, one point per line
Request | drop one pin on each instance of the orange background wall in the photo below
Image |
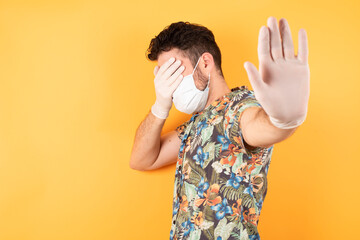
75	84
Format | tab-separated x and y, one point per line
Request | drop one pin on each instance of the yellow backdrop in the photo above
75	84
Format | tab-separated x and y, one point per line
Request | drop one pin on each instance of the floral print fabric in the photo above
219	184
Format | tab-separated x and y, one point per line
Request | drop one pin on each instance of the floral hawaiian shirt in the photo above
220	185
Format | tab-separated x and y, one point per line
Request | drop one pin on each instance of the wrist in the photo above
159	111
287	124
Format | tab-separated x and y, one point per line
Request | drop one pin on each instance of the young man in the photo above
223	152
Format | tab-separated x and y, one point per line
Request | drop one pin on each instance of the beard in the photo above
201	80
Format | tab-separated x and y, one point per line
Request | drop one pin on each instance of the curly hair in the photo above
192	39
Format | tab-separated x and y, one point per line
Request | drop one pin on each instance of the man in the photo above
223	152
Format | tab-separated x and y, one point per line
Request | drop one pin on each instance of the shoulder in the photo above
240	97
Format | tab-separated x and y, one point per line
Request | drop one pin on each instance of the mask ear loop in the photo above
196	65
208	84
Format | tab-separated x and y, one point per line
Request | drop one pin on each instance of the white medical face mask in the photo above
187	97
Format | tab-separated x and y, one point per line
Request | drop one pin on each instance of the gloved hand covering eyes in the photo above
167	79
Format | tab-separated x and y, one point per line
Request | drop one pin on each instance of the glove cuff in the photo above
156	110
287	125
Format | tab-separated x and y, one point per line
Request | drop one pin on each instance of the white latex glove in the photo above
167	79
283	85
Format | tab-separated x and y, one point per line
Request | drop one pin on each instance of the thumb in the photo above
156	69
254	76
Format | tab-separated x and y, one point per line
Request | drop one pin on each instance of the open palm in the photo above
282	84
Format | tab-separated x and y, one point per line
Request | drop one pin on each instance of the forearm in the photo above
146	145
266	133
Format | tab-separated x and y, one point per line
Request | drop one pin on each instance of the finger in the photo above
275	41
176	83
254	76
166	65
171	70
156	69
264	44
176	74
287	42
303	52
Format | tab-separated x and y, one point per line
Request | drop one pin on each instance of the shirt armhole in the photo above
248	102
181	130
248	148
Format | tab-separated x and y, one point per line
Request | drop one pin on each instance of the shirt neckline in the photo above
235	89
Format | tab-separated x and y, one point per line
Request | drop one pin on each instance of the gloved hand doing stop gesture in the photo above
282	85
167	79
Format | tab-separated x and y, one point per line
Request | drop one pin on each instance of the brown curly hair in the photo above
191	38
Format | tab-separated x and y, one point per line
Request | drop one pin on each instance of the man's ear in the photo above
209	61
